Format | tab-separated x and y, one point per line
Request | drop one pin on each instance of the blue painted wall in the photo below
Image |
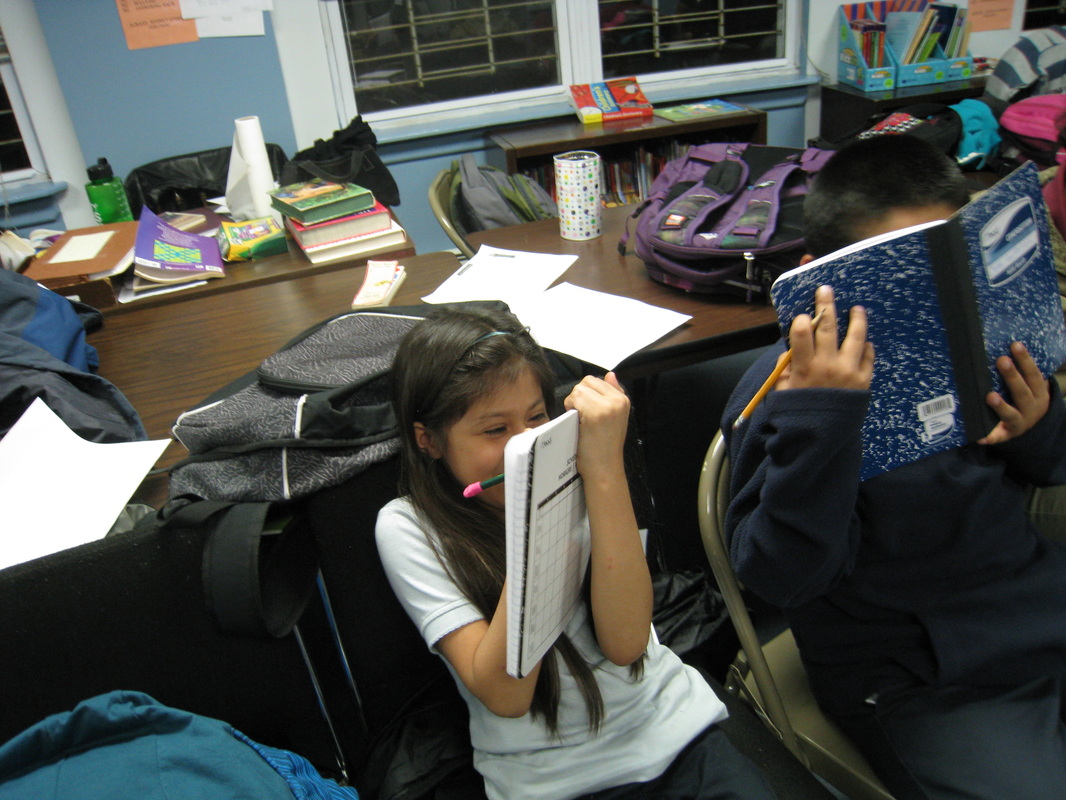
135	106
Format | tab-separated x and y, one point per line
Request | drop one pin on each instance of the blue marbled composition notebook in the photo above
944	300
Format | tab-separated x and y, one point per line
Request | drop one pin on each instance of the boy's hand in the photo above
1028	391
817	361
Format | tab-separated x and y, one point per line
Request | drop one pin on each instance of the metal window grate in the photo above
679	34
1043	14
412	53
406	53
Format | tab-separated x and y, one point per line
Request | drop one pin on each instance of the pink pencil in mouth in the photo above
474	489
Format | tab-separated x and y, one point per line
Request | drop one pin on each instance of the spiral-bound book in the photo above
944	300
547	538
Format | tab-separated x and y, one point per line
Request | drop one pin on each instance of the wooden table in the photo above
719	326
167	358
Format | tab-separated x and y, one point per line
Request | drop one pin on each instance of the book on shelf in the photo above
370	219
164	254
871	36
547	538
704	108
944	300
83	255
610	100
316	200
365	244
381	281
905	31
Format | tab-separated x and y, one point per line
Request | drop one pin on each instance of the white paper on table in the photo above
507	275
58	490
249	178
600	328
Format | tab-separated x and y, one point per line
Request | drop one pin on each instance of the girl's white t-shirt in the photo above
647	721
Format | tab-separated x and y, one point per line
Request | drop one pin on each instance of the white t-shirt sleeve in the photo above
416	575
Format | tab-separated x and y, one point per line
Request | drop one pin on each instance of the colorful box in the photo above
854	70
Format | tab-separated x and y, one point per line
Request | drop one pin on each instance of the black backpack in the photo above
937	123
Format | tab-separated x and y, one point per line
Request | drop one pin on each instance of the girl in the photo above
608	712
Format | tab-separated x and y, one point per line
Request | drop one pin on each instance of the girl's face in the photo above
473	444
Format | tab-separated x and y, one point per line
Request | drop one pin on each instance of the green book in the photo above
706	108
317	200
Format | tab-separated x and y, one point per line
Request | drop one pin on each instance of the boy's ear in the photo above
807	259
426	442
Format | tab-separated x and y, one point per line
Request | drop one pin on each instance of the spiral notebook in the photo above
548	543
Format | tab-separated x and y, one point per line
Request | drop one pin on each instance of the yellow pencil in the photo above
768	384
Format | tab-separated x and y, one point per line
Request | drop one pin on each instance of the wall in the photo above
136	106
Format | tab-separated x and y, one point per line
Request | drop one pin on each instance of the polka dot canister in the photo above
577	189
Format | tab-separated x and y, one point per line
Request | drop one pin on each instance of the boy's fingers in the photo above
1024	363
855	339
826	313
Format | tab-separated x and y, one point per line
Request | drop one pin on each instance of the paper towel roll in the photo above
249	177
577	189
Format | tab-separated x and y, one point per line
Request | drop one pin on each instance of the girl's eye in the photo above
497	431
541	417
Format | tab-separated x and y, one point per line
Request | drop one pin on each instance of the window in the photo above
19	155
397	58
1043	14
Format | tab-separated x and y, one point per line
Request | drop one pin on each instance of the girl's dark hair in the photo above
870	177
442	367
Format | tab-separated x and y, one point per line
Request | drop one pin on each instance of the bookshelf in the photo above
633	151
846	109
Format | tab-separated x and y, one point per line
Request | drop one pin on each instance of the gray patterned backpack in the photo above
314	414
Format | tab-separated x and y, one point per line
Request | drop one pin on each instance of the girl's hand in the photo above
817	360
603	409
1028	392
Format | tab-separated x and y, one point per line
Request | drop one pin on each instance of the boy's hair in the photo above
870	177
442	367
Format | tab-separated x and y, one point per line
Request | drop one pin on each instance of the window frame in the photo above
577	21
37	169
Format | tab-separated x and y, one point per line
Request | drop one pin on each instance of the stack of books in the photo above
331	221
609	101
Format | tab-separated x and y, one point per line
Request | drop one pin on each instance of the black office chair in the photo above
771	676
179	183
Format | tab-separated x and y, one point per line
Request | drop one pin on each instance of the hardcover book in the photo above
548	542
85	254
365	244
375	218
164	254
607	101
316	200
944	300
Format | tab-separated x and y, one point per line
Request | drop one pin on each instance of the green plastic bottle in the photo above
106	194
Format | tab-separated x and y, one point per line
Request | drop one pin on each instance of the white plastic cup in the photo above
577	190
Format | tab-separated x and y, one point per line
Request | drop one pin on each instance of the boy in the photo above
930	614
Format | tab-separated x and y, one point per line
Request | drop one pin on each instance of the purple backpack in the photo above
726	217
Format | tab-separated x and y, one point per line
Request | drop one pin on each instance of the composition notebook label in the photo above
1010	241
